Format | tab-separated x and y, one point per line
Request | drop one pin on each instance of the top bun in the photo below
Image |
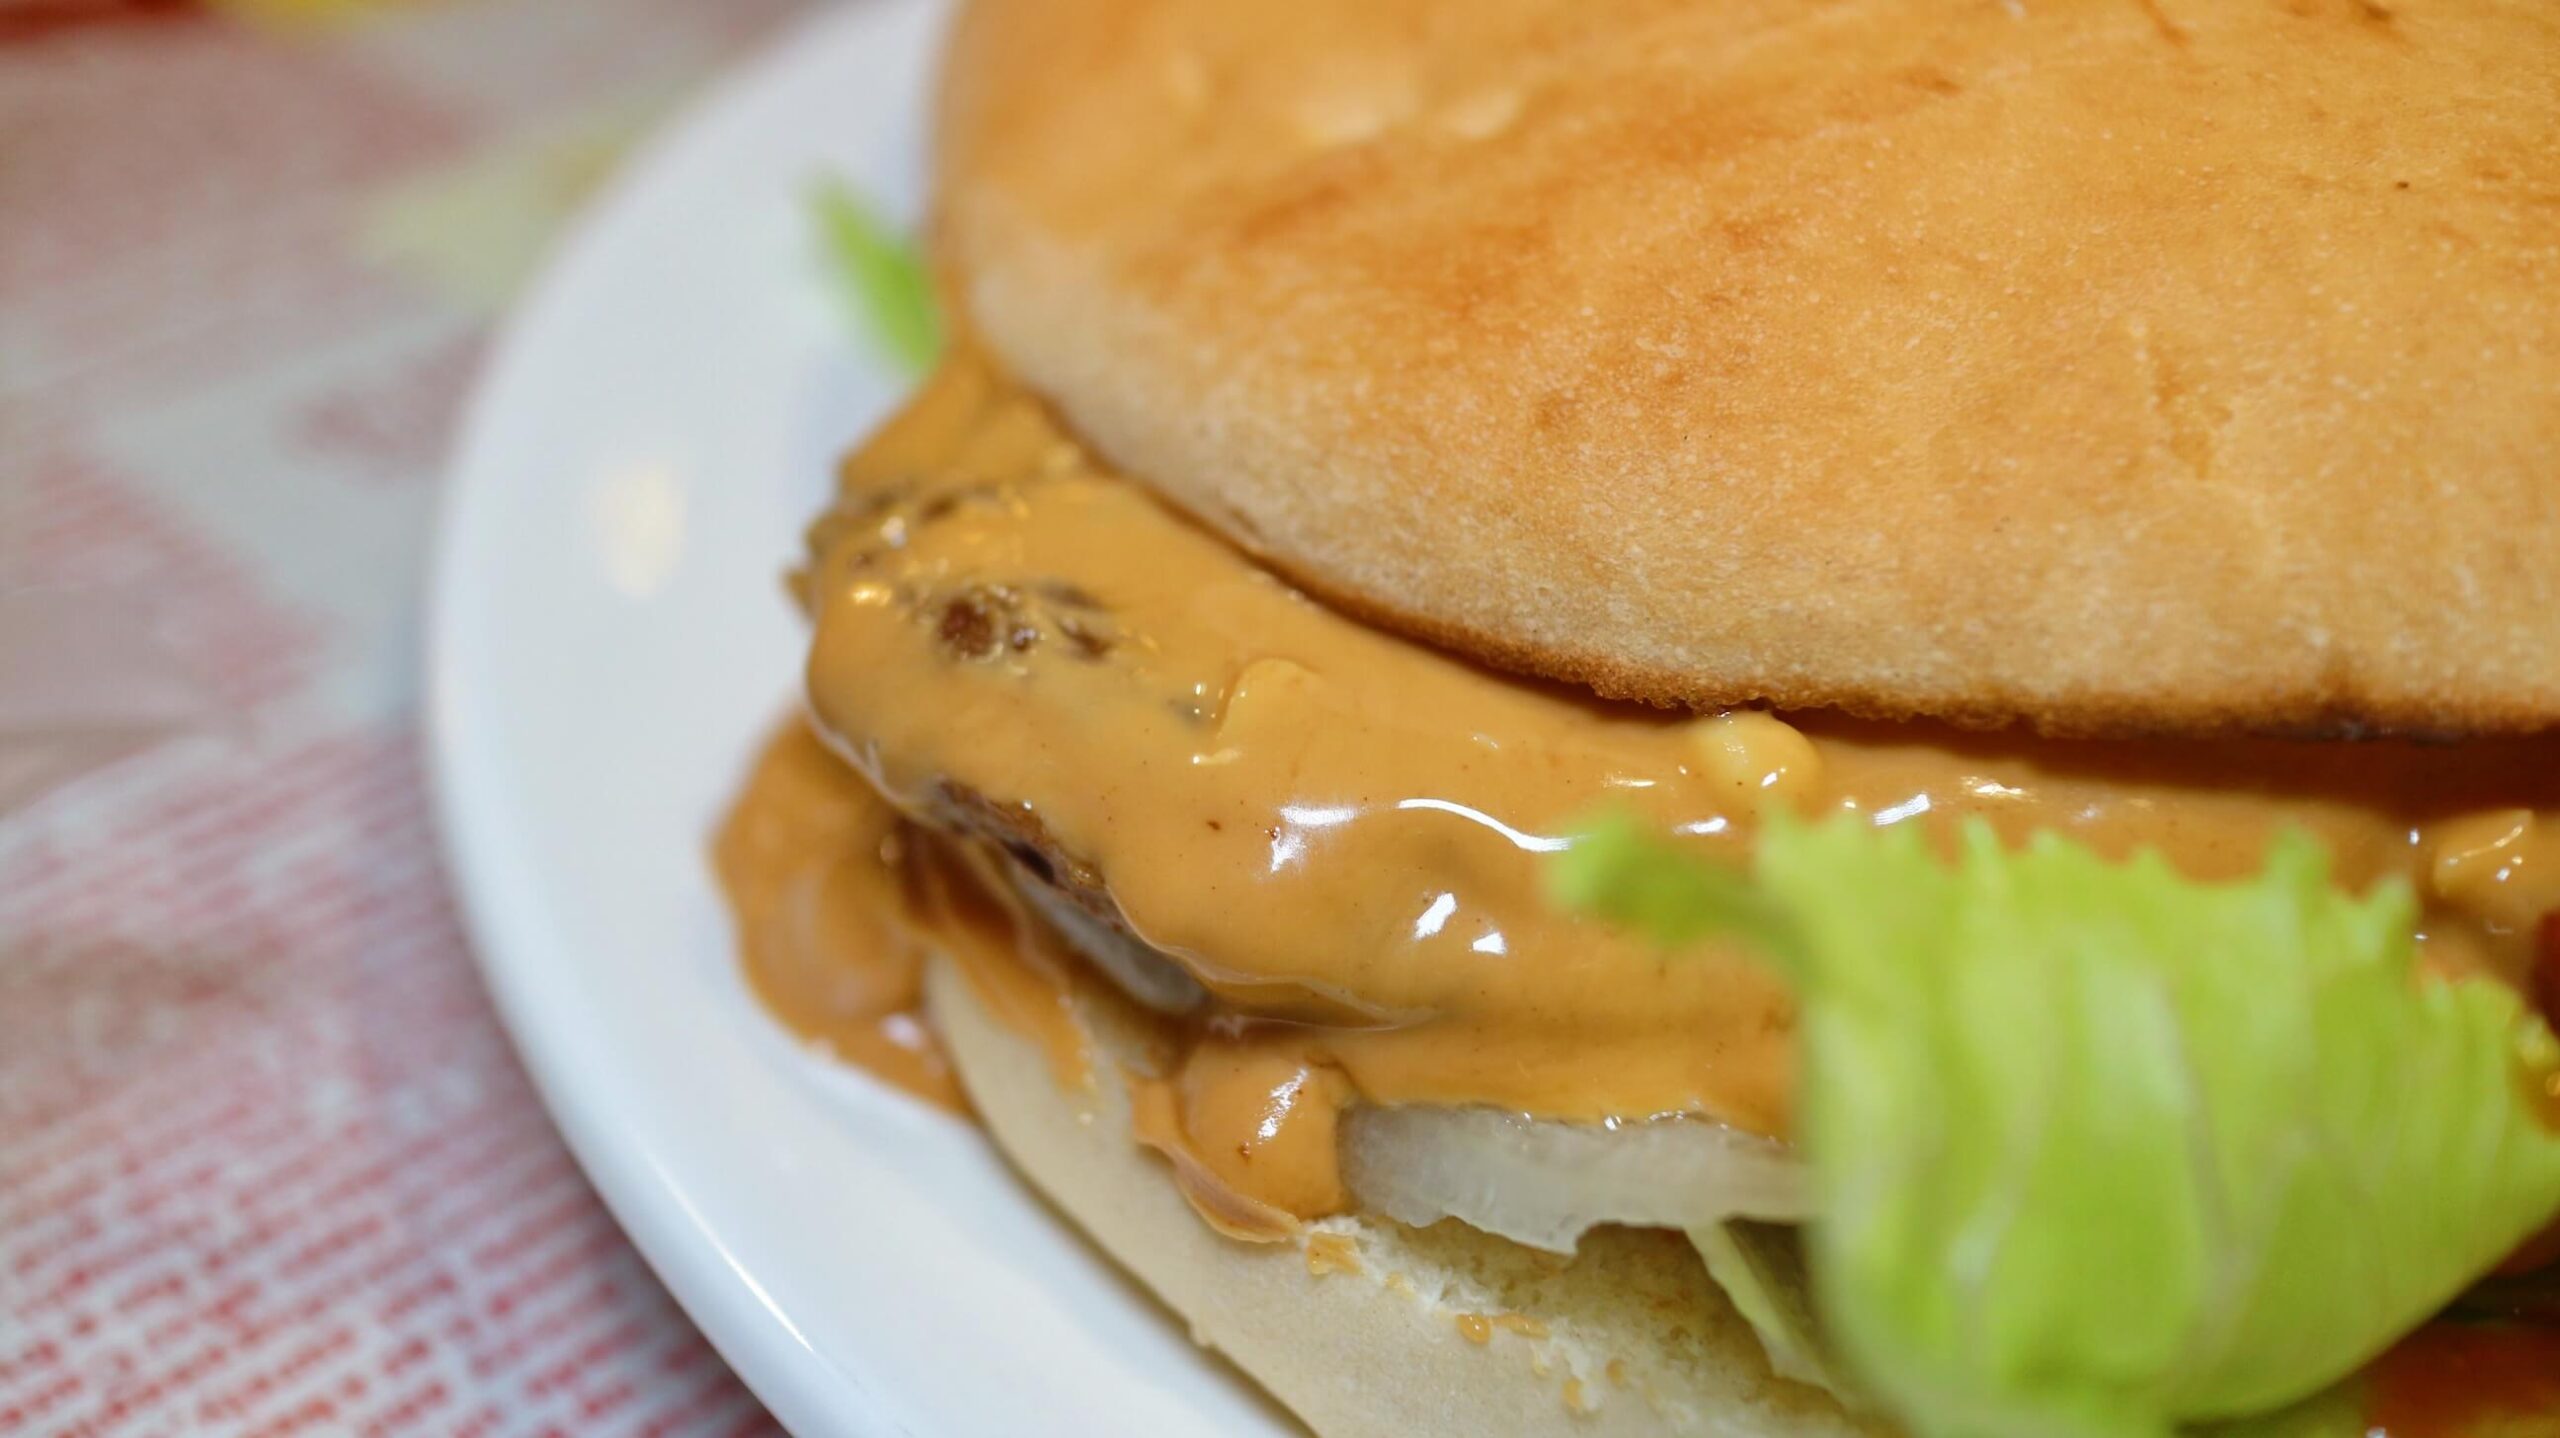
2151	366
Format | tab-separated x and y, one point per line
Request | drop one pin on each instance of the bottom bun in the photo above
1363	1326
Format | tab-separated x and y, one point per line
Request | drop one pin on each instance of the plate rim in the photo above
724	1302
843	1249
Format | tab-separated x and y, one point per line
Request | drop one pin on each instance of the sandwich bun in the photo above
1364	1327
2175	367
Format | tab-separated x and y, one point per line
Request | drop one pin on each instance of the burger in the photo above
1729	716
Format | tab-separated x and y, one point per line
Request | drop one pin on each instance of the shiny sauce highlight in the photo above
1338	832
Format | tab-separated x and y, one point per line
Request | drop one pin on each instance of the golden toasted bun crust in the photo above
1371	1339
2156	366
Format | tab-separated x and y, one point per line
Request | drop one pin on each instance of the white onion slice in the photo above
1543	1183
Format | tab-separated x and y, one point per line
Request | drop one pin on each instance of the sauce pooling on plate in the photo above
814	868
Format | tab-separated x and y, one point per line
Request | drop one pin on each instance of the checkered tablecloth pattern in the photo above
266	1163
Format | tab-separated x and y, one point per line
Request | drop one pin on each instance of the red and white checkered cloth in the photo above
266	1163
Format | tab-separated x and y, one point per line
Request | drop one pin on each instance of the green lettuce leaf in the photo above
883	275
2098	1150
1760	1266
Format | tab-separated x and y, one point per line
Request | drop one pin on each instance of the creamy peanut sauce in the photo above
837	899
814	866
2466	1380
1338	832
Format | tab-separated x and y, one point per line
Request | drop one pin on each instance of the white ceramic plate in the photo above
608	643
